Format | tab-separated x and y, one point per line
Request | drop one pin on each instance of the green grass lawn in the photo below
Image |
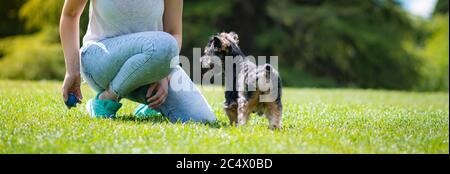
33	119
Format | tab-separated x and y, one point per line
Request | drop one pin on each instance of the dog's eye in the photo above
217	42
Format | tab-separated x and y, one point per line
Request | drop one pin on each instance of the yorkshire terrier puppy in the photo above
254	88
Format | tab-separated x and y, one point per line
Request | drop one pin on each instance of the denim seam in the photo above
136	69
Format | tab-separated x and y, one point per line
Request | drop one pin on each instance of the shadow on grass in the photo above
149	119
159	119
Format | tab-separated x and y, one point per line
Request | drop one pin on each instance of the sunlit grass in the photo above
33	119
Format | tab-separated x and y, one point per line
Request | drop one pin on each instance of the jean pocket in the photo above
86	56
91	81
91	49
84	50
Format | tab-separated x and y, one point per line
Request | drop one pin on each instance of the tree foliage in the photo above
32	57
369	44
441	7
9	18
356	42
41	13
435	70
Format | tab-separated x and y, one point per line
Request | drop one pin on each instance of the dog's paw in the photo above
275	126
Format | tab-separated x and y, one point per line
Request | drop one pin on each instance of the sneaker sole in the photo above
89	109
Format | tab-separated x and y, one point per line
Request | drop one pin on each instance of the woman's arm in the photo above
69	33
173	19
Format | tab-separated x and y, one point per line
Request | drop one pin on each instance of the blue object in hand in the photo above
71	101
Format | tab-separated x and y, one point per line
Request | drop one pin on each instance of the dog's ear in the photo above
216	42
234	36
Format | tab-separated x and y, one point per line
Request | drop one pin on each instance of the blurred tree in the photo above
38	19
37	55
436	69
200	20
10	23
355	42
435	52
32	57
319	42
41	13
441	7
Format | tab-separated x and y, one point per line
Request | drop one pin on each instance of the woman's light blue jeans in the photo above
127	64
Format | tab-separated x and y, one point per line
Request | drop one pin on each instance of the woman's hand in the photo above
159	97
72	84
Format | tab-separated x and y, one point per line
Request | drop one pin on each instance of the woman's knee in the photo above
161	45
170	44
160	50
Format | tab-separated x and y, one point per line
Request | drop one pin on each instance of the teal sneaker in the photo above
143	111
102	108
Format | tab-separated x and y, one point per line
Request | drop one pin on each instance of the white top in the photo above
110	18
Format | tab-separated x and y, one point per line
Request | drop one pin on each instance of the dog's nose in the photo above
268	67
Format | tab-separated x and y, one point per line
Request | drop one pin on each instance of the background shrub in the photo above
32	57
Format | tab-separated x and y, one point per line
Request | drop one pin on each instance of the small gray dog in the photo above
254	83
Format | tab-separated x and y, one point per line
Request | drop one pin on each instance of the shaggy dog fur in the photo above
250	82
